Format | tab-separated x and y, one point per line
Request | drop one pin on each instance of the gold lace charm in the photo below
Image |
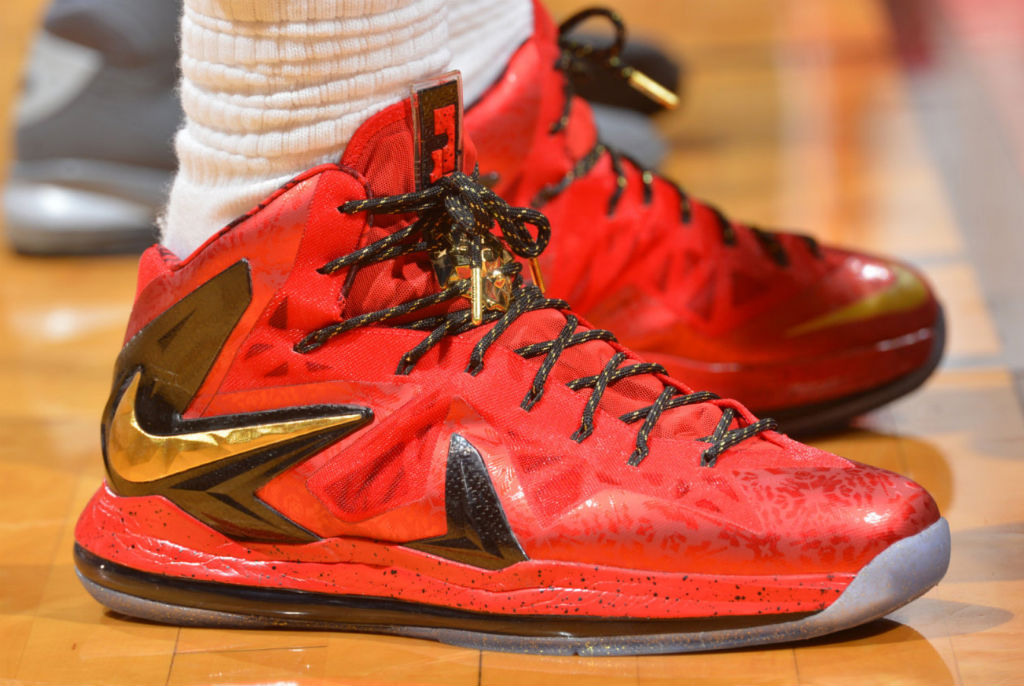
490	289
651	88
538	277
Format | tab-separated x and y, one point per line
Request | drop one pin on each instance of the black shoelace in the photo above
578	60
458	208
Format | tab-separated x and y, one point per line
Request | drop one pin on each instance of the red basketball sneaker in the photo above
350	410
808	334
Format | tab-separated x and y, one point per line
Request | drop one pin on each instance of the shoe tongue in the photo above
384	150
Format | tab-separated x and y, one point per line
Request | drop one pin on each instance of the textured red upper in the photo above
719	315
788	522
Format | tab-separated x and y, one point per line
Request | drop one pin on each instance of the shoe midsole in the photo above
151	535
290	606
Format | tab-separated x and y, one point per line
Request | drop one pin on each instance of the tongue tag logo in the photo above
437	127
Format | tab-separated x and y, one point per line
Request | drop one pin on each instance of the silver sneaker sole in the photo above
70	206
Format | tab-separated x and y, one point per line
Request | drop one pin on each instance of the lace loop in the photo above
609	54
456	205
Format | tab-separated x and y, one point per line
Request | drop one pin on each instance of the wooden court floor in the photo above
897	128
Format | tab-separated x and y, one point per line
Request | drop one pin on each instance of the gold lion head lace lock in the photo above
489	287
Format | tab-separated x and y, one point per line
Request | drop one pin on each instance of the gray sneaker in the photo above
95	128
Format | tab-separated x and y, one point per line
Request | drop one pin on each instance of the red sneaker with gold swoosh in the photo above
809	334
350	410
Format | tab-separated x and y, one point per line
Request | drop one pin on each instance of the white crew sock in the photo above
482	36
271	88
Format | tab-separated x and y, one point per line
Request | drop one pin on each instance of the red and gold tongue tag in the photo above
437	127
437	131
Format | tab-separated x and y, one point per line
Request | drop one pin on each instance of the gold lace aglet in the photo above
538	278
652	89
477	293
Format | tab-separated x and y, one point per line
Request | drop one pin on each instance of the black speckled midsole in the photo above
288	607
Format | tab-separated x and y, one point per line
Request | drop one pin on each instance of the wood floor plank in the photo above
962	63
755	667
274	665
510	669
877	654
73	639
203	639
16	28
991	653
394	660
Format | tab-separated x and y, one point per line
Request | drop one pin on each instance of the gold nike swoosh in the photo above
210	467
905	293
140	456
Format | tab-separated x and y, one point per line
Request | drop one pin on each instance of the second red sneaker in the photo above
809	334
348	410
